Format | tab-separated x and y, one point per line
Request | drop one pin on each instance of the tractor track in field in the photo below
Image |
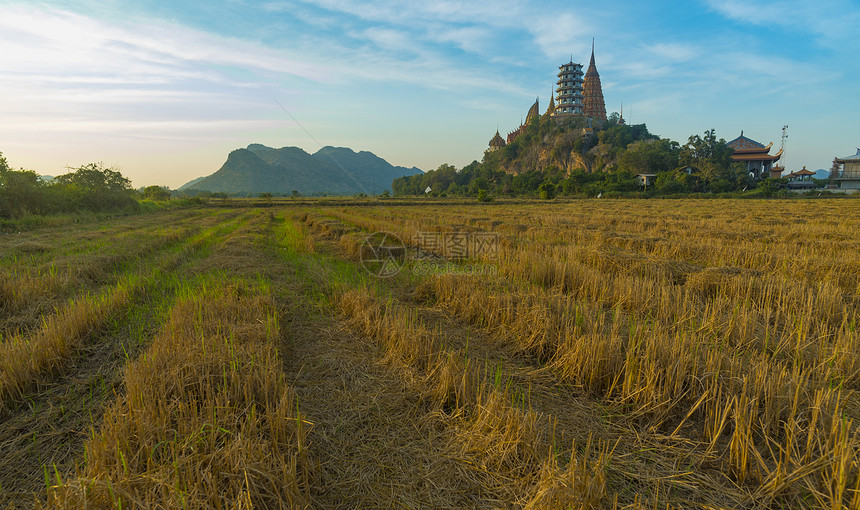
373	440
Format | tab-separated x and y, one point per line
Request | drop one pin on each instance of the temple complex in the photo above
592	93
754	155
574	95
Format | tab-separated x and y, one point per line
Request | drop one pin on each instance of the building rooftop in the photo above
855	157
744	143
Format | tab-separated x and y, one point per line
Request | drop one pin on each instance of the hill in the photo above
335	170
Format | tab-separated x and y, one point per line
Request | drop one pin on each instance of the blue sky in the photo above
164	90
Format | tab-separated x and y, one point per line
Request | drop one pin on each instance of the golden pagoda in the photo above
592	93
551	107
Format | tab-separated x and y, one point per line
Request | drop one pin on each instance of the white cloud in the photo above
833	22
561	34
64	42
505	13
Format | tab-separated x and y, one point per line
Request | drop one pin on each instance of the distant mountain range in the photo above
332	170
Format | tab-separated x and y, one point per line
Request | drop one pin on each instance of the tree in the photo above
713	158
159	193
4	166
650	156
94	176
667	182
96	188
547	191
483	196
21	192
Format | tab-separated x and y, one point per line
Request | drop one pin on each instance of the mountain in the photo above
364	166
190	184
336	170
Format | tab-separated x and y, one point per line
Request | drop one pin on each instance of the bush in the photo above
547	191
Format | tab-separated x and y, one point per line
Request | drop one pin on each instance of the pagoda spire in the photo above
551	106
591	64
592	92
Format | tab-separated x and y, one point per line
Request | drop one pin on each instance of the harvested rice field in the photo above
582	354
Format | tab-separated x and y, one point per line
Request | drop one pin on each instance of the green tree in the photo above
667	183
159	193
650	156
97	188
713	159
547	191
21	192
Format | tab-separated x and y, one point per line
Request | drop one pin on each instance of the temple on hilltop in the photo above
576	94
755	155
592	92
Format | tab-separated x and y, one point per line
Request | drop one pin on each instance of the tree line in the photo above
91	187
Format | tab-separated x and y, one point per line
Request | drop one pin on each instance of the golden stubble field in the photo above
584	354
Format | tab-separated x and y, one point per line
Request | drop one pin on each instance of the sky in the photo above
163	91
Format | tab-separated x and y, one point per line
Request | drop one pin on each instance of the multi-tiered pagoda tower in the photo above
568	99
573	96
592	101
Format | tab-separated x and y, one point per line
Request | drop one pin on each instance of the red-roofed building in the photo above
755	155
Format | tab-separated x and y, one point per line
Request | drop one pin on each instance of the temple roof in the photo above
534	111
744	143
855	157
497	140
757	155
800	173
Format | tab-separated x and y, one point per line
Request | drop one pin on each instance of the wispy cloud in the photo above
832	22
65	42
673	52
